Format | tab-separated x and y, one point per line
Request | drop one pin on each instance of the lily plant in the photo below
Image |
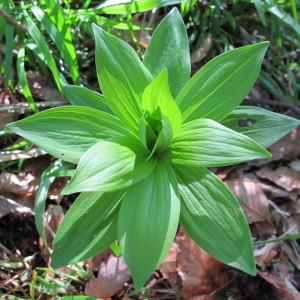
144	147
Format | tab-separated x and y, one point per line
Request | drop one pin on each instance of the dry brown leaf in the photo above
111	278
288	147
201	52
254	201
283	285
284	177
201	275
265	255
169	266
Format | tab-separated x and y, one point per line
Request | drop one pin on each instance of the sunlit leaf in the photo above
67	132
221	85
122	76
212	216
263	126
110	166
148	222
89	227
207	143
169	48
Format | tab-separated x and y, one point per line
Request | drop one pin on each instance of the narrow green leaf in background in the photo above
81	96
212	216
263	126
169	48
148	221
115	7
67	132
8	60
213	91
89	227
41	49
61	36
23	80
282	16
207	143
122	76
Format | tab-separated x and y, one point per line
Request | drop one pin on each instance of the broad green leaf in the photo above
60	34
81	96
110	166
42	51
148	222
221	85
116	7
169	48
263	126
213	218
23	80
157	94
206	143
122	76
67	132
89	227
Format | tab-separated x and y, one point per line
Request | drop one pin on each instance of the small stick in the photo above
11	20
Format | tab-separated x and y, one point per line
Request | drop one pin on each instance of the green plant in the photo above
142	164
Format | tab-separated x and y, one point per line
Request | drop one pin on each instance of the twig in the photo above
23	107
11	20
274	103
289	236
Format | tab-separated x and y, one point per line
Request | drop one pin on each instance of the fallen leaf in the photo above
112	276
265	255
254	201
284	286
288	147
201	52
283	177
168	268
201	275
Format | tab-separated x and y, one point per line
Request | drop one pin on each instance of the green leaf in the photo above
122	76
213	218
221	85
283	16
81	96
67	132
60	33
42	51
23	80
113	7
110	166
164	138
148	222
169	48
8	60
46	180
263	126
207	143
157	94
89	227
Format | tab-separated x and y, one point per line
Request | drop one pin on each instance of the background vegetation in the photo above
45	45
